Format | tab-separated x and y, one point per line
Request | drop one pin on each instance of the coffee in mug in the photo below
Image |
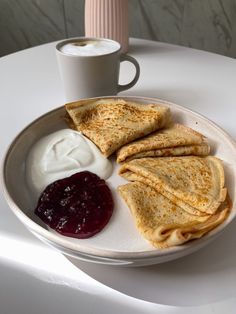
89	67
89	47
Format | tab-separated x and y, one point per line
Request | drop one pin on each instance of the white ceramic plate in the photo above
119	243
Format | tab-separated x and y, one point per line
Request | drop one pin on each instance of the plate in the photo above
119	243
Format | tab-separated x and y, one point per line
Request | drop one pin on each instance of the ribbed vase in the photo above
107	19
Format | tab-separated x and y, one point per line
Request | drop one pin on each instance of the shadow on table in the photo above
204	277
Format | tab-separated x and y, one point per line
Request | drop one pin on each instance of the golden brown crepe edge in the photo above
190	150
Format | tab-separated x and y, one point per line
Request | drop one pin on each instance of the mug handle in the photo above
125	57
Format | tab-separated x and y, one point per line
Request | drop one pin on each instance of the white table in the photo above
34	278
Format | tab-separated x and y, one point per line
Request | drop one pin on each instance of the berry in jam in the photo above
78	206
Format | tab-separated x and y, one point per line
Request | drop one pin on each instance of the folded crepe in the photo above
112	123
164	223
196	184
176	140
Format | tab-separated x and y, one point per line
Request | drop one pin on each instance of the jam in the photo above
78	206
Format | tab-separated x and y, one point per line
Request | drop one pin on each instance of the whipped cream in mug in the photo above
90	47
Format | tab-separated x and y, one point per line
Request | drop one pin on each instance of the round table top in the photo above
35	276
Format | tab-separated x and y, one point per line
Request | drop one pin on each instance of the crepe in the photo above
194	183
163	223
112	123
176	140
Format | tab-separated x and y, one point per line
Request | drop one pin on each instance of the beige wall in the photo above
203	24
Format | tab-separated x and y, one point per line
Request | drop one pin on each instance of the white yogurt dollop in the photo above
61	154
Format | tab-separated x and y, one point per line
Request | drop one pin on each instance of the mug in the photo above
89	67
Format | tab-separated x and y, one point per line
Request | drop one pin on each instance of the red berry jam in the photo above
78	206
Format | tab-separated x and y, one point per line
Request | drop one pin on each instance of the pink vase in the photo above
107	19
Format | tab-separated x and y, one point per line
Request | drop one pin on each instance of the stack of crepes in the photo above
173	140
173	199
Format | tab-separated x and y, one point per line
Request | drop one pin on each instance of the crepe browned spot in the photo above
194	183
112	123
176	140
162	222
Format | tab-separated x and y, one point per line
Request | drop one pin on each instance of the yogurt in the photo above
60	155
90	47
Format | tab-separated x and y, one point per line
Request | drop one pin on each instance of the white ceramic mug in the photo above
89	67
